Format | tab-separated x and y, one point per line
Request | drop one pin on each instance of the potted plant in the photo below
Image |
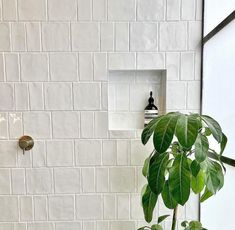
181	162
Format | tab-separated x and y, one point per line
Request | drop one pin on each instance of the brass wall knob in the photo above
26	143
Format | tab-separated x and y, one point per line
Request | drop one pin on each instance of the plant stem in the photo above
174	218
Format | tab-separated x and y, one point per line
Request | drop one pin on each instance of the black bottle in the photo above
151	110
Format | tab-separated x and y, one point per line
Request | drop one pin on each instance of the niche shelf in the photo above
128	93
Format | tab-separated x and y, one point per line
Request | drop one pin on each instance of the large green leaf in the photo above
201	147
223	143
162	218
156	227
214	127
195	225
157	168
187	130
164	132
149	129
195	168
198	182
167	197
149	200
179	179
214	178
206	195
192	225
145	168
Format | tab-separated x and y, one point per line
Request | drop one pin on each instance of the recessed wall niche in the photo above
128	93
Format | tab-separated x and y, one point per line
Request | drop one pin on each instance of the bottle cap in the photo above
151	100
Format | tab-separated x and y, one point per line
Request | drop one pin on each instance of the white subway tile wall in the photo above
55	60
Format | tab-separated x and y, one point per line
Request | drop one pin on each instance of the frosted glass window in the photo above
216	11
219	101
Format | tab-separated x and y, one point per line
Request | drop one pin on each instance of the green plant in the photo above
181	162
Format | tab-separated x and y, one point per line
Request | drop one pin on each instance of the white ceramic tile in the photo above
122	97
39	181
121	61
63	67
167	31
34	67
122	36
55	101
26	208
99	10
69	226
85	37
119	182
12	67
100	66
2	74
6	96
87	96
101	124
123	152
173	9
21	96
3	126
115	225
67	180
188	9
187	66
32	10
193	99
88	180
9	10
136	208
18	181
176	92
109	207
150	61
5	181
59	153
109	154
173	65
36	98
55	37
39	154
40	208
92	204
87	124
104	96
123	206
102	180
107	36
143	36
18	36
15	125
86	67
5	37
33	36
150	10
9	209
122	10
194	35
62	10
84	9
36	124
61	208
88	152
40	226
66	124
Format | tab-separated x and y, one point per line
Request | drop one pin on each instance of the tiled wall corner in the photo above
55	56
